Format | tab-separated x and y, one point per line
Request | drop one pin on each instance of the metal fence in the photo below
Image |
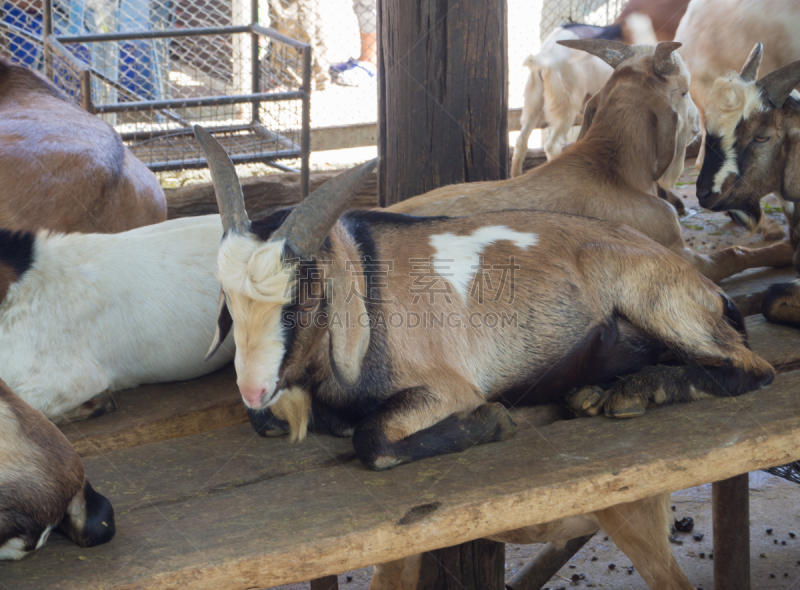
156	66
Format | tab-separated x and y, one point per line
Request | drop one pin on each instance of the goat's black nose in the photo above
702	193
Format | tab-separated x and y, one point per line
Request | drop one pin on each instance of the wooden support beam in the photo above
545	564
326	583
477	565
730	500
442	95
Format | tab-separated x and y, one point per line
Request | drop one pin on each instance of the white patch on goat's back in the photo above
458	258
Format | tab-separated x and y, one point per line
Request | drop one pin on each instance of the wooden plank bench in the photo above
211	505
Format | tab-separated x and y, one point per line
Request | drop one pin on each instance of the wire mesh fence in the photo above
340	33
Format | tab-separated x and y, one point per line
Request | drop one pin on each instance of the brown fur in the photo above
608	174
8	276
65	169
42	483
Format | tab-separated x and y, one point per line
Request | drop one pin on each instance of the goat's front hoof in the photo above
625	406
266	424
586	401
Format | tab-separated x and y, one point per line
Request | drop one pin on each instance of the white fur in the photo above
258	284
560	79
717	36
730	101
458	258
111	311
13	549
43	537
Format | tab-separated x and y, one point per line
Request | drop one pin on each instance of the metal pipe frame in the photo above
236	159
144	105
305	122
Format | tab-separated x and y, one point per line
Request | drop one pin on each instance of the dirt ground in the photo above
775	556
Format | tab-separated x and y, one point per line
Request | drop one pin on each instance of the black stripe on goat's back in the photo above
16	249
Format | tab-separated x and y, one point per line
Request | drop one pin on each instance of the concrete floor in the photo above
774	503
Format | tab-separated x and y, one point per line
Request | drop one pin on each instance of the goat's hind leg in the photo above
415	424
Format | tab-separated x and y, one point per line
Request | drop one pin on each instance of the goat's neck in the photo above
629	151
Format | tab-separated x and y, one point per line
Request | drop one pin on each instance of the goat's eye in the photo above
762	138
308	307
685	94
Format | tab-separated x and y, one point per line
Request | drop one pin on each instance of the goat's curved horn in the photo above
750	67
779	84
663	60
308	225
230	198
611	52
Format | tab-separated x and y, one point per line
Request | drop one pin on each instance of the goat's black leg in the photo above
398	433
629	396
265	423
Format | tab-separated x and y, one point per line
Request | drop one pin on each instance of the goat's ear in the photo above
588	114
348	324
666	136
224	323
790	177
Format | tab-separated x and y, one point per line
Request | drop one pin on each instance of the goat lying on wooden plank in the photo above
84	313
635	132
311	296
42	485
65	169
752	150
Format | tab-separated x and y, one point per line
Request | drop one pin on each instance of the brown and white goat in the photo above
635	132
375	325
65	169
42	484
325	305
752	150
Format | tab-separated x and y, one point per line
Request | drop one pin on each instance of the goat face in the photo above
276	276
286	310
653	76
752	146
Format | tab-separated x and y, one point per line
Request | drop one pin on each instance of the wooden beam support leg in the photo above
326	583
731	513
477	565
545	564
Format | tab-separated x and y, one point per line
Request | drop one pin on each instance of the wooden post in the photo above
443	119
545	564
442	96
326	583
479	565
730	500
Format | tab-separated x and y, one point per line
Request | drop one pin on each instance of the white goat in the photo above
562	79
84	313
